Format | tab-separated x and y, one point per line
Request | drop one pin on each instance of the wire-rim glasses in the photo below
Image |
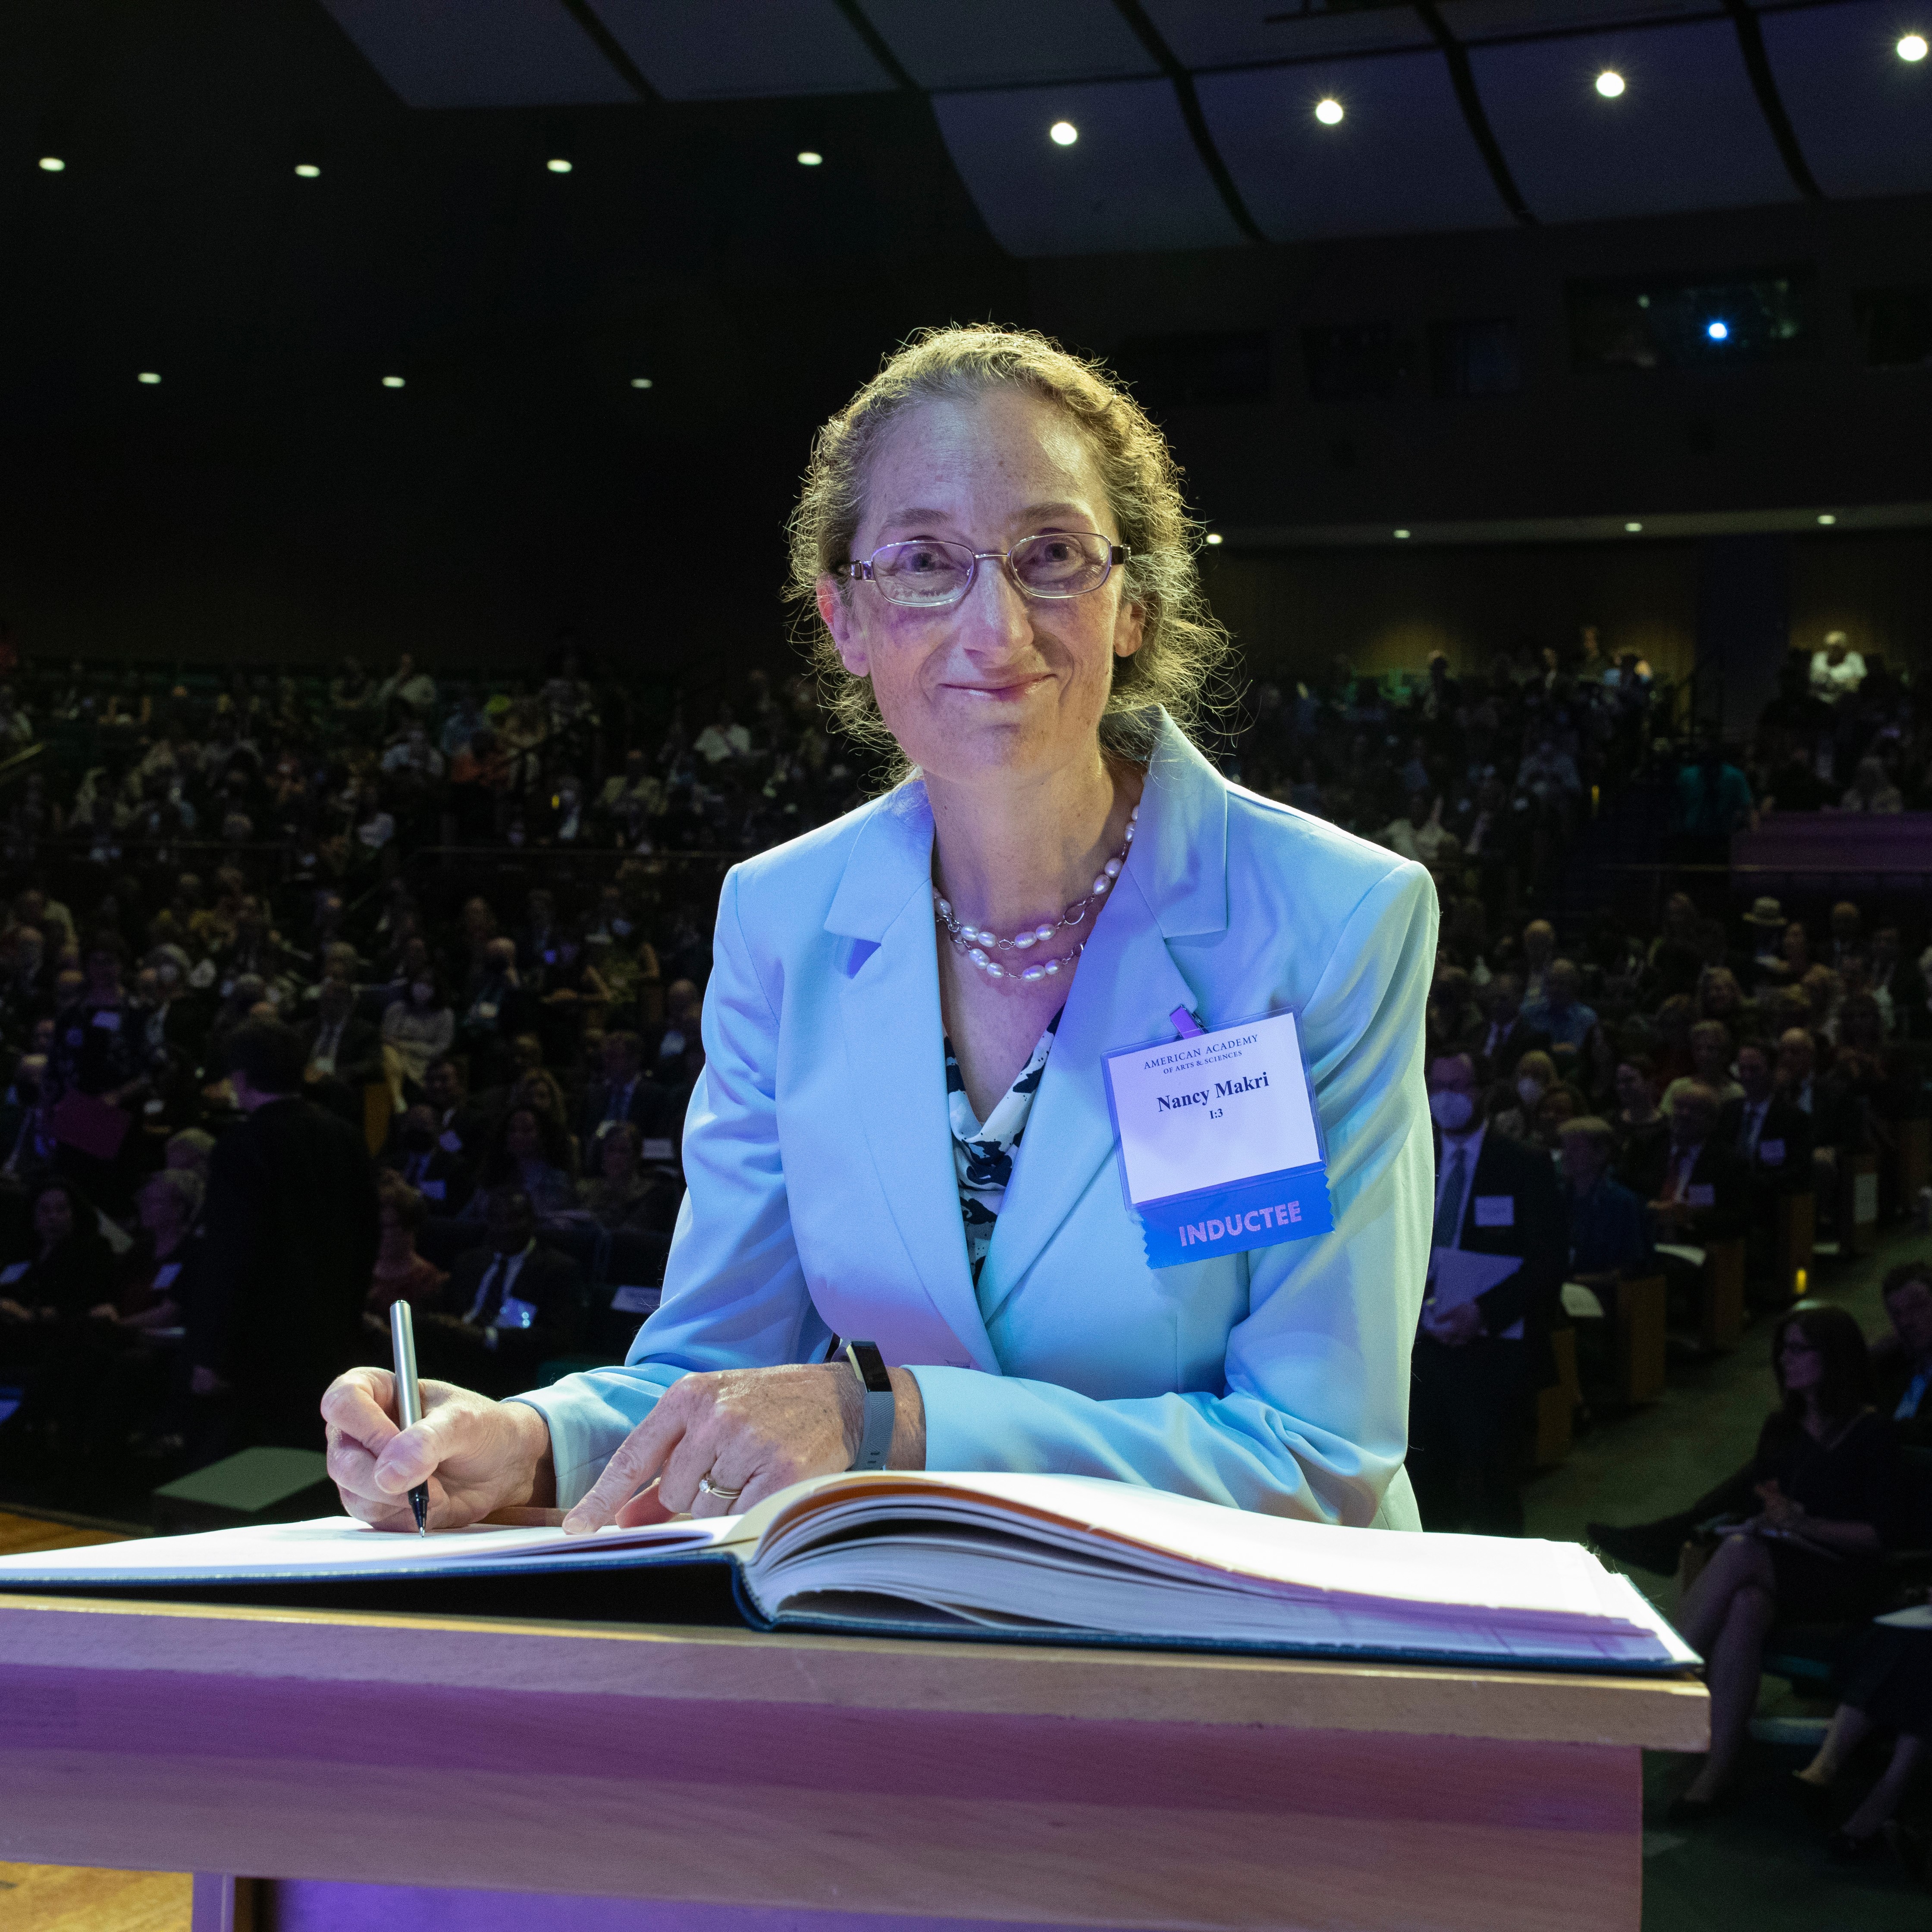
931	574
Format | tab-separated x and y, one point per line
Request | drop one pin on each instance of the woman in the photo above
416	1029
67	1271
1000	557
1888	1687
622	1195
1826	1472
1534	1075
401	1274
529	1150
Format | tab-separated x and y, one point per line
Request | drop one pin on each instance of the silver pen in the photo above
409	1394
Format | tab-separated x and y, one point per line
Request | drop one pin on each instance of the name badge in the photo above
323	1063
450	1141
635	1301
167	1275
434	1190
12	1273
514	1313
1701	1193
1495	1210
108	1019
658	1150
1772	1153
1218	1148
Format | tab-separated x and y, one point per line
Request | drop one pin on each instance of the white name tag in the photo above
323	1063
634	1301
166	1276
1772	1153
433	1190
1213	1109
659	1150
450	1141
12	1273
1701	1193
108	1019
1495	1210
514	1313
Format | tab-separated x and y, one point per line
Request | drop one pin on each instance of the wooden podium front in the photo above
412	1772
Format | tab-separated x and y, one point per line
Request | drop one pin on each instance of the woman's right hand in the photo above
477	1455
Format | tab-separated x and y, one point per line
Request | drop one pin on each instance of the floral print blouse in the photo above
983	1154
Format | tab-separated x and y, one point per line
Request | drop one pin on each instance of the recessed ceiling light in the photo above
1609	83
147	376
308	170
557	165
1214	536
53	164
809	157
1718	332
1911	47
1828	518
1402	532
1633	527
1328	112
392	382
1062	133
640	382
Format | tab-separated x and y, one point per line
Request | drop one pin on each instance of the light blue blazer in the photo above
823	1201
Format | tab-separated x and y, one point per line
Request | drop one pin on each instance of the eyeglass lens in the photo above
1056	564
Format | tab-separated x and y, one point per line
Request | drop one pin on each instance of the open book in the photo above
1060	1559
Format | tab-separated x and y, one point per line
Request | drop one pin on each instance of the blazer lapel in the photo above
889	1013
1128	985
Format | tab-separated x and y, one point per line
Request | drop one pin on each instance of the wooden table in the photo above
654	1776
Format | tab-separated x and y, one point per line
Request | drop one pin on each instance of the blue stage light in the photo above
1718	332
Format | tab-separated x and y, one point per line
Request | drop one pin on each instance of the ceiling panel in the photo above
1488	19
1008	43
1400	160
1863	116
726	49
481	53
1213	33
1133	181
1686	134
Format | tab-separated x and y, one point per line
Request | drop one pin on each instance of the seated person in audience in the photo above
1887	1687
1561	1104
1720	997
1871	789
621	1195
1698	1188
530	1153
526	1055
1771	1132
401	1274
1505	1035
1559	1011
497	1007
620	1091
1636	1121
67	1271
1902	1360
1478	1365
1836	1117
1830	1494
1711	1052
1836	668
1608	1236
1902	982
342	1052
462	1125
416	1029
1534	1075
416	1155
678	1032
505	1308
1538	949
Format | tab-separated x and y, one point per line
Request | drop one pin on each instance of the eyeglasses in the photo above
931	575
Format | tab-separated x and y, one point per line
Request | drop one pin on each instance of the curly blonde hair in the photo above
1184	651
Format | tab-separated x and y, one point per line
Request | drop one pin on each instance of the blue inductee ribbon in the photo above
1289	1206
1220	1145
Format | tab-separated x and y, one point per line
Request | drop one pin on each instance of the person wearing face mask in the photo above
1535	1074
416	1029
1478	1364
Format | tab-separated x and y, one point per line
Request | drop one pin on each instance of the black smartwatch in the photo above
875	1444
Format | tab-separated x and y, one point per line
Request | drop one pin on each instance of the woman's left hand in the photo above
753	1430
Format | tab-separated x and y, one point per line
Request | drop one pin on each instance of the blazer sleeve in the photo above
1312	1418
735	1294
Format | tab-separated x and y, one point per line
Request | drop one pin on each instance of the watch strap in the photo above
875	1386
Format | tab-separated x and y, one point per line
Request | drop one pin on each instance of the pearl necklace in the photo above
979	944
